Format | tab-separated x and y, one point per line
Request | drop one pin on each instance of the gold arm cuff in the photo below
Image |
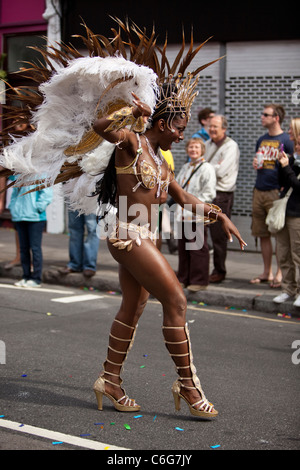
212	215
123	118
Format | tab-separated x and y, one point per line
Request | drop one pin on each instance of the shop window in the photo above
19	52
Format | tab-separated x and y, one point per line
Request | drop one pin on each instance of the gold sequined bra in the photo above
149	176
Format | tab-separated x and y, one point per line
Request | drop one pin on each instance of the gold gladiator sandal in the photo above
116	347
178	343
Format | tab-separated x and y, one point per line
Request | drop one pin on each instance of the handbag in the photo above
275	219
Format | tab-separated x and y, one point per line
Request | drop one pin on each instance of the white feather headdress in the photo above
71	91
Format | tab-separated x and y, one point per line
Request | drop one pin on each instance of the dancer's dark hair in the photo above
106	188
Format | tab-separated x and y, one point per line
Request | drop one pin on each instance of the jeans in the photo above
30	239
288	253
83	250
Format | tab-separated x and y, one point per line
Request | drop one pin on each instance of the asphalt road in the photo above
53	343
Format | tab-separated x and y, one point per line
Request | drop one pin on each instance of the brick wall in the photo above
254	73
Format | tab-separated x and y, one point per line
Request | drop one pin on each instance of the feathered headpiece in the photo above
70	90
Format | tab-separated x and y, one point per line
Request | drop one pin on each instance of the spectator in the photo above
198	178
288	238
223	153
28	212
204	117
82	251
20	128
165	224
267	185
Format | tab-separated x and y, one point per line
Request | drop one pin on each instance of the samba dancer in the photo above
143	269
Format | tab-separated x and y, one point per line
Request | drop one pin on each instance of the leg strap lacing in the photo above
192	376
124	324
128	401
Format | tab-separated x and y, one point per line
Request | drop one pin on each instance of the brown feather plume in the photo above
127	39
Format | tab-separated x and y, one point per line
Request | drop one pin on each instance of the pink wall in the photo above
21	16
20	11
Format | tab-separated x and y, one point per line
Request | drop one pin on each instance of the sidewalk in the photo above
235	292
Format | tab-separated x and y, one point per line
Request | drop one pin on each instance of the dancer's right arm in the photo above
121	135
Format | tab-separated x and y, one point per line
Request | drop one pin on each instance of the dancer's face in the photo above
172	133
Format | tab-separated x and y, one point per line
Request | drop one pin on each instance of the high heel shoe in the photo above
202	408
118	346
178	343
99	389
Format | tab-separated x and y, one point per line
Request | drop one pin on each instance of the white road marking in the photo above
57	436
36	289
77	298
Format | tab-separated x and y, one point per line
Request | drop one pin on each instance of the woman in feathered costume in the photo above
138	112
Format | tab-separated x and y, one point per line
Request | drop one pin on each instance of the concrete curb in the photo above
214	295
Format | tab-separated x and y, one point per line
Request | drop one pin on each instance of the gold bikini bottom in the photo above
135	233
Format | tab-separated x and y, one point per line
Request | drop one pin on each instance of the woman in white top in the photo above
199	179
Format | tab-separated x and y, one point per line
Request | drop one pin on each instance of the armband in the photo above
124	117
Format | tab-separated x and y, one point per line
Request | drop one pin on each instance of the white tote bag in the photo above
275	219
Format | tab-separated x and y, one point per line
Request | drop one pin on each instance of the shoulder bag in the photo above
275	219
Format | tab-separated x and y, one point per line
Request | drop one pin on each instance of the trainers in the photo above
297	301
32	283
283	297
21	283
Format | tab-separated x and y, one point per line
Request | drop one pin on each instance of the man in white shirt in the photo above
224	154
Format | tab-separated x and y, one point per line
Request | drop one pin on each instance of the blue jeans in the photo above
30	239
83	250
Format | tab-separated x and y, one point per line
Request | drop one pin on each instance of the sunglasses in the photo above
267	115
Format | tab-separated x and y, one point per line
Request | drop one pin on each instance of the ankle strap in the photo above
119	339
118	352
124	324
176	342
